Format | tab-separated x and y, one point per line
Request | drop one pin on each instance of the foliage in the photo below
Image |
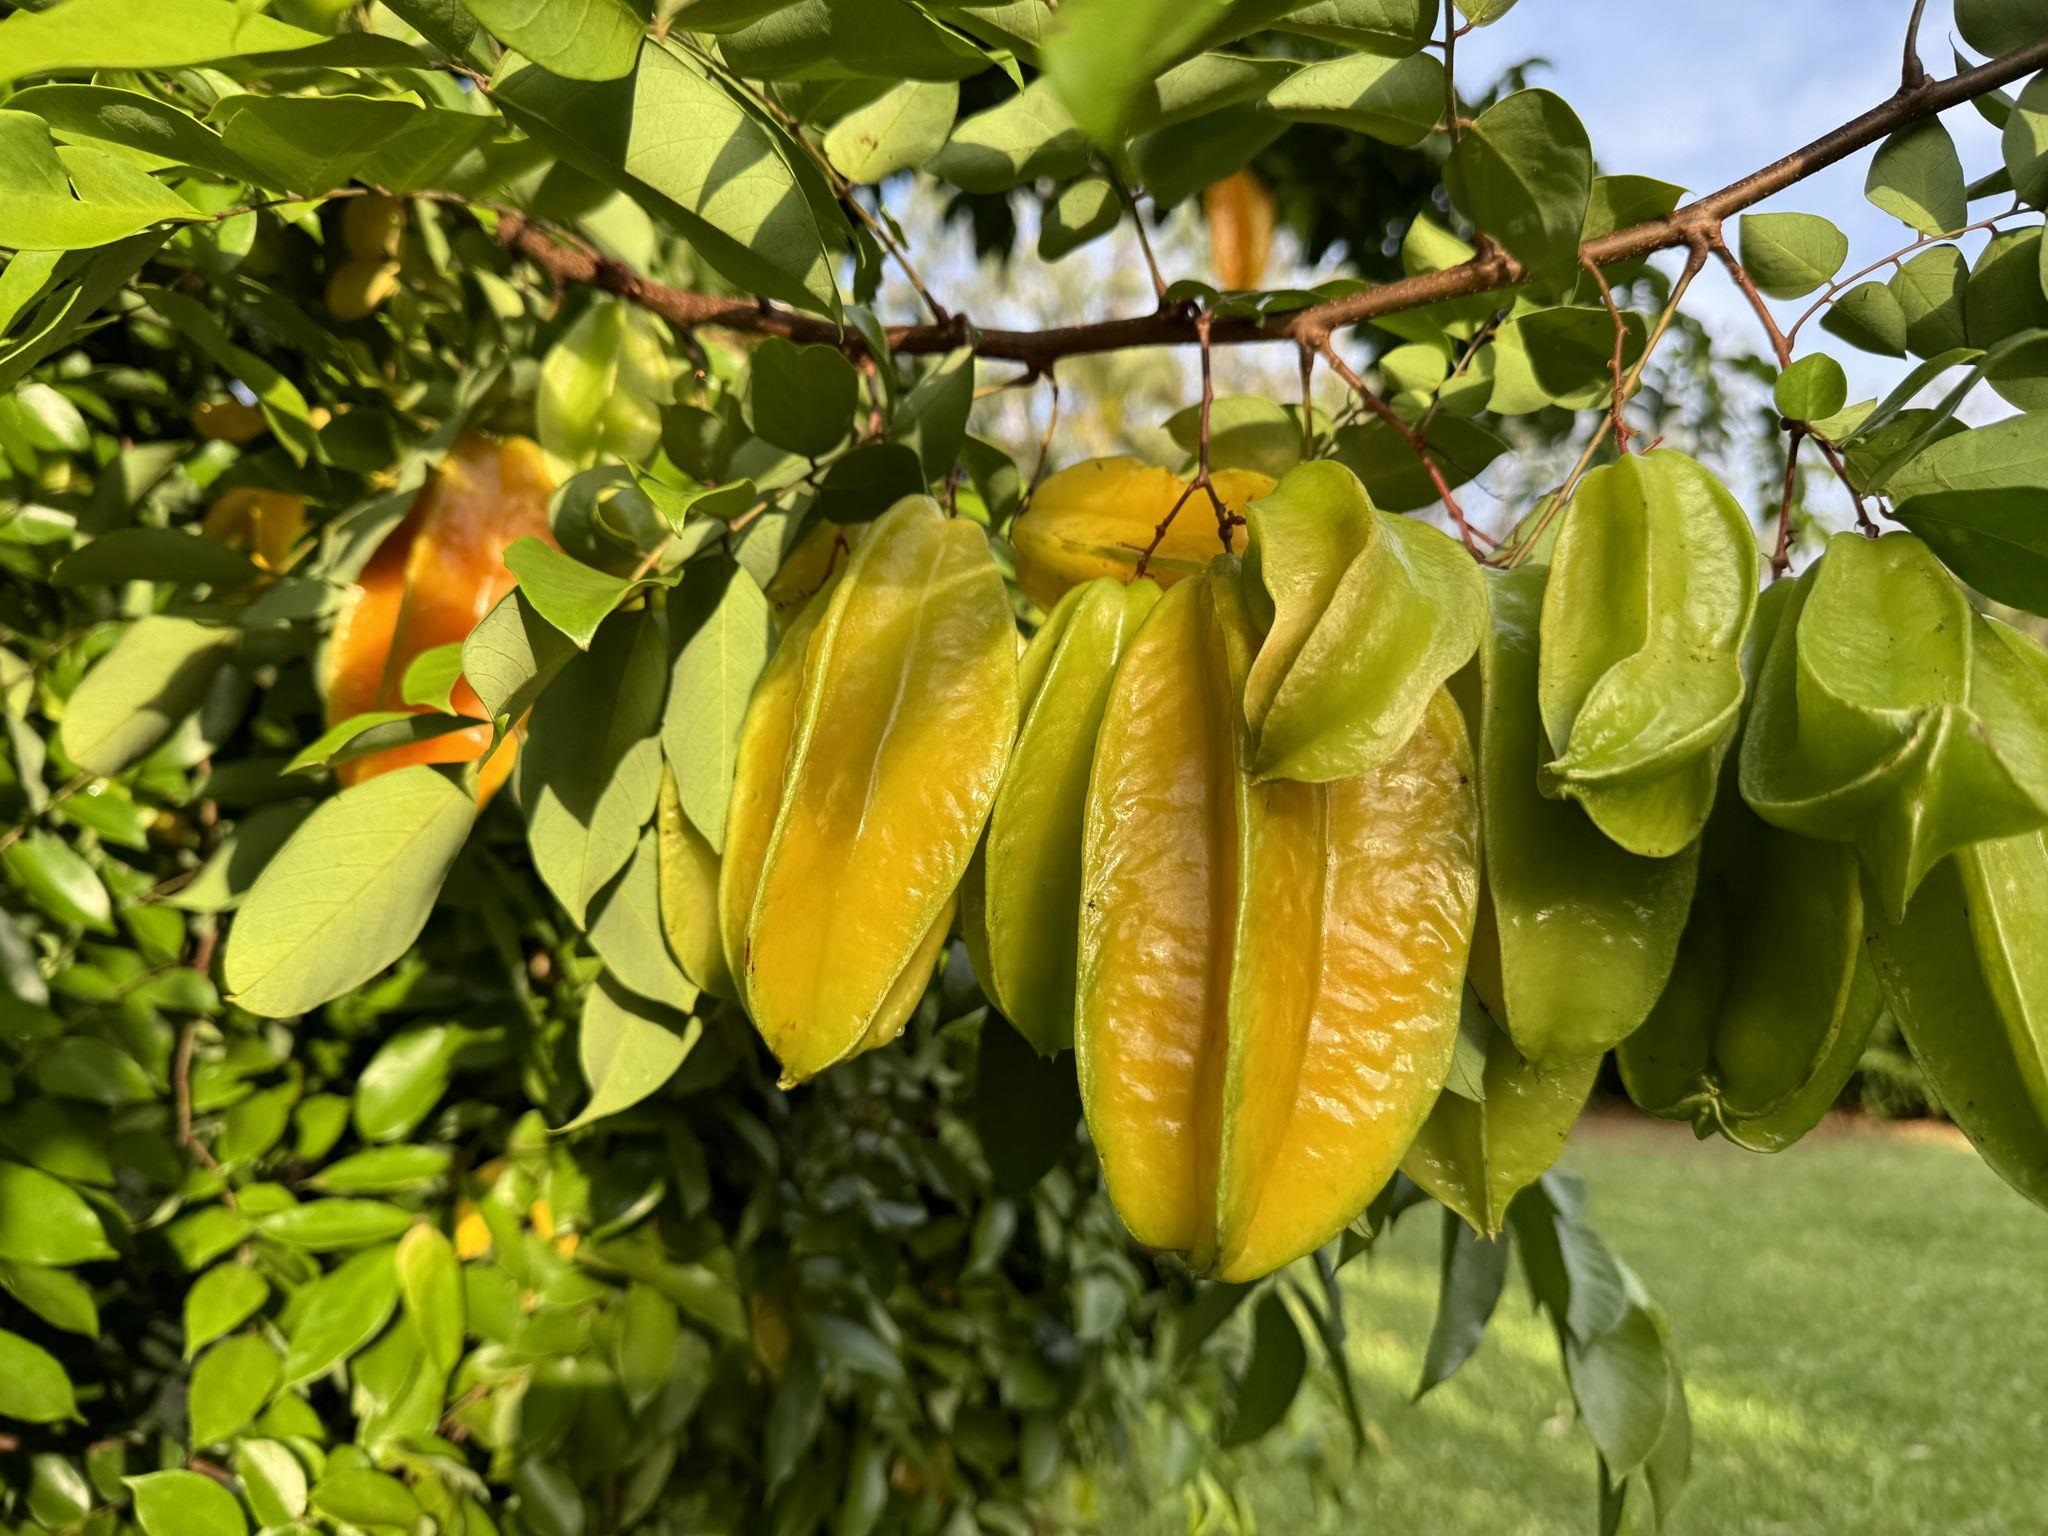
437	1116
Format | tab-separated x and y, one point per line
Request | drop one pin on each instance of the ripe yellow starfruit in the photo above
868	761
1652	584
1096	518
1022	896
264	524
1269	972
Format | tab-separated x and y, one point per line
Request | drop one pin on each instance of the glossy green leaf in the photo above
603	385
1890	717
1917	176
33	1385
341	1312
229	1385
309	144
574	597
119	34
628	1047
1030	135
348	894
725	642
1812	389
1620	1380
57	1296
383	1171
158	673
904	126
1027	1107
430	1284
1523	172
273	1480
74	197
1394	100
154	554
582	39
1366	615
359	1496
1272	1376
2006	455
1868	316
626	930
327	1225
592	764
1996	540
220	1301
1472	1273
1788	255
1929	288
56	878
512	655
1652	585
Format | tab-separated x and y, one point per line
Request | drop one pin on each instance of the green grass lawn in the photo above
1863	1322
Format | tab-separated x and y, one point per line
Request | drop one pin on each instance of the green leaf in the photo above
1618	202
57	1296
1272	1376
1524	174
229	1385
572	596
157	135
1101	54
602	387
341	1312
430	1283
1619	1378
725	643
56	878
383	1171
1472	1273
431	676
1026	1106
348	894
932	418
120	34
1394	100
309	144
46	1221
1788	255
801	398
38	211
830	39
273	1480
70	304
1245	432
181	1503
1031	135
2026	143
1484	13
1812	389
582	39
1996	540
1868	316
671	137
903	127
1085	210
628	1047
592	764
405	1079
424	153
1394	476
1993	27
1918	177
325	1225
1929	289
626	931
33	1386
93	1071
358	1496
512	655
1206	83
159	672
220	1301
284	408
2012	453
154	554
867	481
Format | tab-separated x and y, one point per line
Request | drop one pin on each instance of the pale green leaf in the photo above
309	144
1030	135
122	34
831	39
1788	255
626	931
33	1385
582	39
341	1312
220	1300
1395	100
430	1283
903	127
229	1385
157	673
628	1047
38	209
1085	210
1918	177
726	641
157	133
44	1221
1812	389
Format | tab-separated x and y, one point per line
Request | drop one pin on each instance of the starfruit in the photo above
1098	517
1652	584
1772	998
428	583
1579	933
1269	972
1891	717
687	866
1366	615
867	763
1022	896
264	524
1476	1156
1966	975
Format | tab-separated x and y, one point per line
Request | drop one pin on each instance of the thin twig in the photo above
1227	521
1621	427
1451	35
1417	444
1144	240
1841	285
1781	553
1913	74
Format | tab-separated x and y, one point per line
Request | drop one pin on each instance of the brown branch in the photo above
1227	521
1614	362
1489	271
1913	74
1781	555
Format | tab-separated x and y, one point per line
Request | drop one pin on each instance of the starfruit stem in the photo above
1781	553
1227	521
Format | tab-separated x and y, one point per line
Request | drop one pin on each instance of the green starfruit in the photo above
1652	585
1365	615
1021	901
1891	717
1583	932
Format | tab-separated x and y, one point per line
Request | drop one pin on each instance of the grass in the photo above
1863	1322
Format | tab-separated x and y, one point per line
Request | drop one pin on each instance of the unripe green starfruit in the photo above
688	868
867	763
1579	934
1475	1156
1652	584
1022	896
1772	998
1366	615
1891	717
1269	972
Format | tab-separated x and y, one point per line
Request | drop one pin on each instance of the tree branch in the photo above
1489	271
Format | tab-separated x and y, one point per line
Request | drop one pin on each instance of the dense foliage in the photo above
464	526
